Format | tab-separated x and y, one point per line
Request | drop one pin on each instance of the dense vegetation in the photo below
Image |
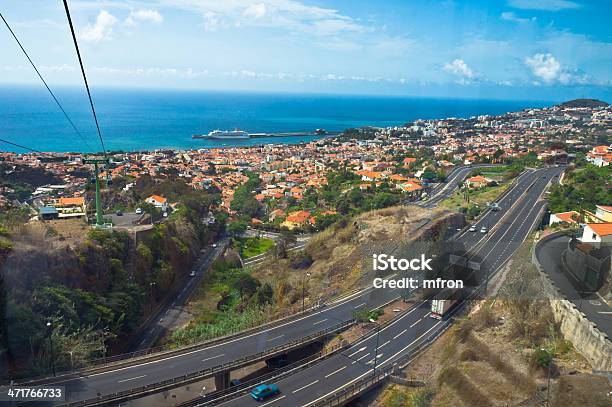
584	187
94	291
239	301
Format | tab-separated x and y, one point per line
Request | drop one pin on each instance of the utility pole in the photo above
376	349
96	162
304	289
50	333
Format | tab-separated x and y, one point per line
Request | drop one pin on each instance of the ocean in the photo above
132	120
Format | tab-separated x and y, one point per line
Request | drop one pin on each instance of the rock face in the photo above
591	103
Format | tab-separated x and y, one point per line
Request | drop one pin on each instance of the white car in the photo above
472	229
138	211
192	274
214	245
483	230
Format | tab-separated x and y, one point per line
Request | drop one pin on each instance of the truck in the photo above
439	308
444	301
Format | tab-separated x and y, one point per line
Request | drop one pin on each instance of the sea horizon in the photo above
135	119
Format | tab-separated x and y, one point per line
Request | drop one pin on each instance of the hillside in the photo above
339	259
500	354
590	103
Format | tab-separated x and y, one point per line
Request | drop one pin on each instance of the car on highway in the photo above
472	229
192	274
495	207
138	211
263	391
214	245
483	229
119	213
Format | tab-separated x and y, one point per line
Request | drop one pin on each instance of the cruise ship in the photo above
224	134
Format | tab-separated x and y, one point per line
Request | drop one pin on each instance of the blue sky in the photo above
515	49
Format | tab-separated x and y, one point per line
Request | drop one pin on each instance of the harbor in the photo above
239	134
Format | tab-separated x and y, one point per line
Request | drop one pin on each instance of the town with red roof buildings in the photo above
402	157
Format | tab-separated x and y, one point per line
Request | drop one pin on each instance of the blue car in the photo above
263	391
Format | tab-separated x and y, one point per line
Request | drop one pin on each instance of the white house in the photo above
158	201
597	234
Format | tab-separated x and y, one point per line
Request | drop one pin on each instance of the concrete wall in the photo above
593	344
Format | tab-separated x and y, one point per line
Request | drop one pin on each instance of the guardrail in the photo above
145	390
244	387
356	388
160	352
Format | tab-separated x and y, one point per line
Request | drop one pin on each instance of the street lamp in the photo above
376	349
550	362
50	332
71	352
304	289
151	284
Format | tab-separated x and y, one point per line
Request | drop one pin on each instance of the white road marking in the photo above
604	312
213	357
396	336
356	352
318	322
360	305
416	322
335	371
368	372
357	360
133	378
276	337
275	400
386	343
308	385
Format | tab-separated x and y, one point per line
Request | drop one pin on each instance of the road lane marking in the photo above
396	336
276	337
372	360
386	343
318	322
357	360
604	312
275	400
308	385
335	371
133	378
356	352
213	357
339	302
416	322
360	305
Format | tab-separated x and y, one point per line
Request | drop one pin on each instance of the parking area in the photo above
127	219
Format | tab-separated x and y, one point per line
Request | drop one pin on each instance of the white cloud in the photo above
101	29
291	15
544	66
547	5
152	16
511	16
459	68
548	69
255	10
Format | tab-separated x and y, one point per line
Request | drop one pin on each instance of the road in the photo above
407	332
550	255
167	315
497	246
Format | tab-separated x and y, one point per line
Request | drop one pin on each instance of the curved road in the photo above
550	255
496	247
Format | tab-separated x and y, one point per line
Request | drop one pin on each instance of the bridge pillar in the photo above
222	380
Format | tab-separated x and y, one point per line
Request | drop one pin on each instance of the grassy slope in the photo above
487	359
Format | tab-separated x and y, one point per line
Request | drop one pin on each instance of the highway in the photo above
496	247
550	255
520	213
167	315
